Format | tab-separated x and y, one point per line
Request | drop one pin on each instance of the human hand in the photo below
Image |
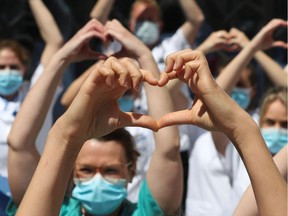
218	40
264	38
78	49
94	112
238	39
131	46
212	109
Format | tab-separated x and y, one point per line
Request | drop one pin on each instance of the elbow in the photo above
199	20
59	42
12	142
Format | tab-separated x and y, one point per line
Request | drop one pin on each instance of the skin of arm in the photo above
274	71
48	28
208	112
262	40
74	87
247	205
194	19
23	156
165	167
101	10
93	113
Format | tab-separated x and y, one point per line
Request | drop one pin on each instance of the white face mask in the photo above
147	32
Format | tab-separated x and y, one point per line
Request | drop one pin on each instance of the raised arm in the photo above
165	166
48	28
194	19
23	156
213	109
74	87
263	40
101	10
93	113
218	40
247	205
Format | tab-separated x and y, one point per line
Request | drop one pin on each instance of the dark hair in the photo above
224	60
122	136
21	52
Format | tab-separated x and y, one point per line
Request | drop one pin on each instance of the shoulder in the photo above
70	207
147	205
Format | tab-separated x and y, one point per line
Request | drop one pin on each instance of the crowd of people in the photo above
153	127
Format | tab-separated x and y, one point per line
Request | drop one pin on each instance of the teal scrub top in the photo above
146	205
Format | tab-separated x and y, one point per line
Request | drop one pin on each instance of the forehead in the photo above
244	79
276	111
143	11
96	153
7	56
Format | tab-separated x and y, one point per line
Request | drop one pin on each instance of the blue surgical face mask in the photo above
99	196
147	32
126	103
10	81
241	96
275	138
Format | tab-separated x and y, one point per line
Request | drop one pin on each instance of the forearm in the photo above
247	205
264	175
34	109
272	69
165	166
48	186
46	23
192	11
101	10
73	89
230	75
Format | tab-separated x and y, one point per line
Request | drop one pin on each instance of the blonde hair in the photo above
273	94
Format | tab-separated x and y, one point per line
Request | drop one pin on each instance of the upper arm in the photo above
21	167
48	28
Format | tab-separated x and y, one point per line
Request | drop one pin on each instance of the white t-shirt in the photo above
215	183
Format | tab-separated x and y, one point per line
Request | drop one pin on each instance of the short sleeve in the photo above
11	208
147	205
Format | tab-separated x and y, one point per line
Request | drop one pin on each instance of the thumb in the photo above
138	120
96	55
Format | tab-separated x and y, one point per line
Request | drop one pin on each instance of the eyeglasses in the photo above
12	66
110	172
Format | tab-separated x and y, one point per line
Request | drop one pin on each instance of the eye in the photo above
2	67
269	122
15	67
85	170
111	171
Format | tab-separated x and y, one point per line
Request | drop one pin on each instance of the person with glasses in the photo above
102	163
92	114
